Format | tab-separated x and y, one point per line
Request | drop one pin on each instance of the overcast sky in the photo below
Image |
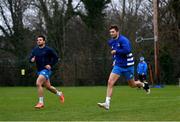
115	3
75	2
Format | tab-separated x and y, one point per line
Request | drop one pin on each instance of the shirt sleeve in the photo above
54	58
109	42
145	67
125	47
31	56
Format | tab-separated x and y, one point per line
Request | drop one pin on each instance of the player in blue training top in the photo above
123	64
142	69
45	58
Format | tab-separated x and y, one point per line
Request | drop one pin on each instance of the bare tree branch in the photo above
77	5
4	31
5	20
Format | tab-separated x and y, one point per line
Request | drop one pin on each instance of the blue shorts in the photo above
128	72
46	73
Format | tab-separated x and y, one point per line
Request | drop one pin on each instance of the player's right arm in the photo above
110	42
32	57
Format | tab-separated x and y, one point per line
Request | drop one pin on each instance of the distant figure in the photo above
142	69
123	64
45	58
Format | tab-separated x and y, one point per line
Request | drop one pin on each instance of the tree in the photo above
93	17
56	15
16	39
13	29
94	13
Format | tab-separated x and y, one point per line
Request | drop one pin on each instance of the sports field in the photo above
17	103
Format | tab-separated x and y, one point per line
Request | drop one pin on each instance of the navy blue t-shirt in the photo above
44	56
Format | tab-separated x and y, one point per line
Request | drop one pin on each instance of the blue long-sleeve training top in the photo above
142	68
123	56
44	56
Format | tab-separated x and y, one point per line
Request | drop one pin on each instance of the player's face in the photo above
113	33
40	42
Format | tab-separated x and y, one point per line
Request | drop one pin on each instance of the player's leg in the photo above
52	89
145	85
129	74
144	78
140	77
39	82
114	76
132	83
48	86
111	81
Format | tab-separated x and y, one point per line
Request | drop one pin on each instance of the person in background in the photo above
142	70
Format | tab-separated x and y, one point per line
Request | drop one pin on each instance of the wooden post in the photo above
156	39
150	74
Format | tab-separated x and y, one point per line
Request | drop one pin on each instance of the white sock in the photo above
59	93
108	100
143	85
41	100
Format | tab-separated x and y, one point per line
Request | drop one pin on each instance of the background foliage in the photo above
78	31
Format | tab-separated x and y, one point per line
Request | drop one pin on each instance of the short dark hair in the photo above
115	27
41	36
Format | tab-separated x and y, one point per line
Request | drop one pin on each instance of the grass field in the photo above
17	103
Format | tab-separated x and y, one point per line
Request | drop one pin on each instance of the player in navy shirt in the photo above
123	64
45	58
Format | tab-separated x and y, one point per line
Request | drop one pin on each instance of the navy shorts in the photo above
46	73
128	72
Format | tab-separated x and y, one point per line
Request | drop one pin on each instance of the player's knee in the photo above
110	82
48	87
38	84
132	85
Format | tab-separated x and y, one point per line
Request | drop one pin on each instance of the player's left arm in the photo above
125	48
146	67
54	57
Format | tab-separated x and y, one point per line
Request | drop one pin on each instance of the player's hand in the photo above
33	59
113	52
48	67
113	64
142	73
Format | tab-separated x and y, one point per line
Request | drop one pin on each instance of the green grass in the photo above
17	103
